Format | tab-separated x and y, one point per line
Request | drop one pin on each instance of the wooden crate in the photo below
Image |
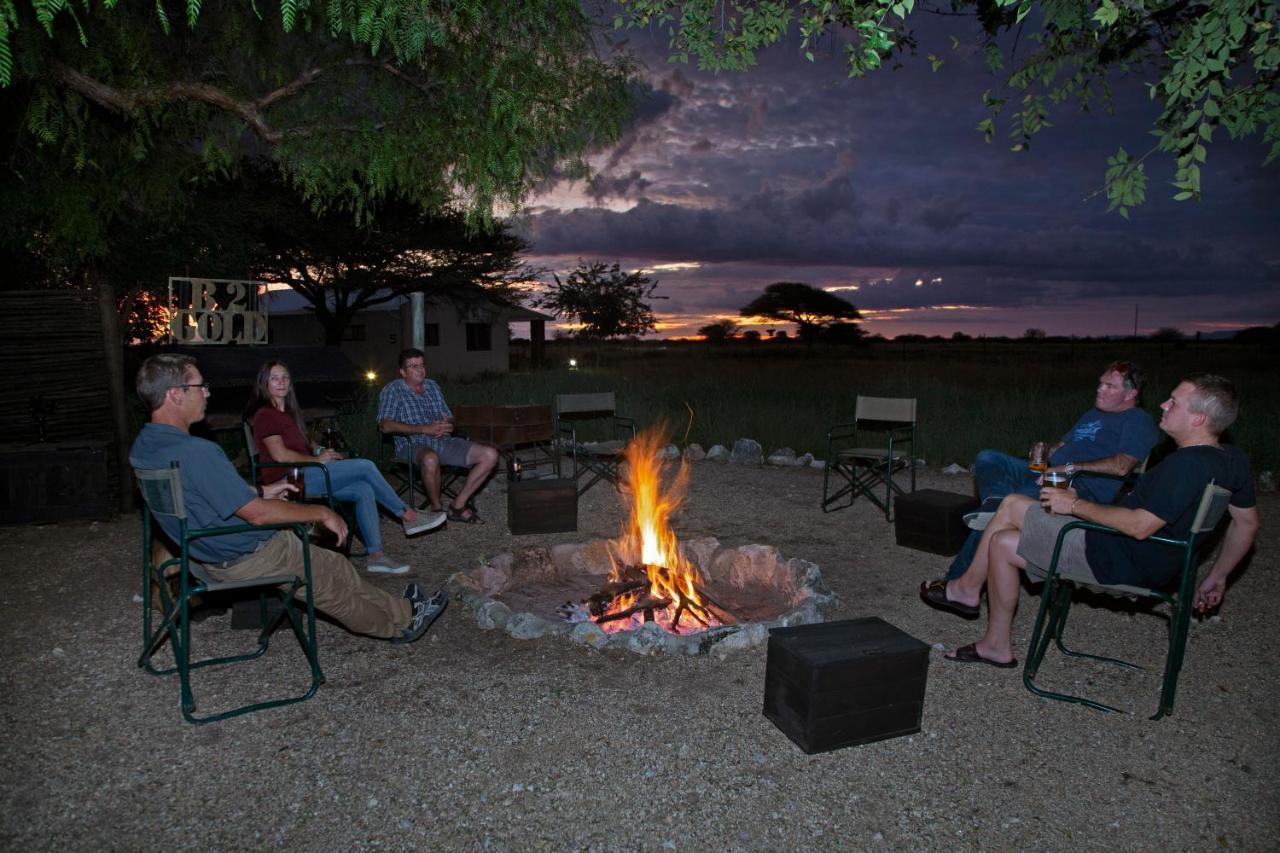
933	521
542	506
505	426
838	684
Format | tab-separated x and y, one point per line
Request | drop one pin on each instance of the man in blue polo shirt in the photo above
1113	437
214	495
1022	535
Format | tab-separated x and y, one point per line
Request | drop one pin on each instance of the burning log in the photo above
647	605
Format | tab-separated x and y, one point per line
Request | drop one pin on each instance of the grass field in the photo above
971	395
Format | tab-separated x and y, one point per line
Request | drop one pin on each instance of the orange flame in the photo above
647	538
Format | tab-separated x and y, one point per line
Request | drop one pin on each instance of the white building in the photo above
461	338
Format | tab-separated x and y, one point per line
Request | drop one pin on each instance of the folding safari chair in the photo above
162	491
596	460
1055	604
344	508
855	469
403	475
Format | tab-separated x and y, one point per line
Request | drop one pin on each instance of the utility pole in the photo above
418	335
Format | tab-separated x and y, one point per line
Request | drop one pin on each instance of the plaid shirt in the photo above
398	402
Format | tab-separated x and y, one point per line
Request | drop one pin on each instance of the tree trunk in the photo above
113	348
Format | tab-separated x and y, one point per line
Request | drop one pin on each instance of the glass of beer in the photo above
1038	458
295	477
1055	480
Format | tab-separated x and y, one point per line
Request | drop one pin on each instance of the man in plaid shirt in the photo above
413	410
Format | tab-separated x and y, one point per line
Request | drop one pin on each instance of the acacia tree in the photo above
112	115
719	331
603	300
341	269
810	308
1211	64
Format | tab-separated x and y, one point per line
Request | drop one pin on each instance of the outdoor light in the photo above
370	375
573	364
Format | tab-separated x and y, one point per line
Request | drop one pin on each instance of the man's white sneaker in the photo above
424	522
384	566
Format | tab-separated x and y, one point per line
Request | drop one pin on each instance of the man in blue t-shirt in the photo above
1022	537
214	495
1112	438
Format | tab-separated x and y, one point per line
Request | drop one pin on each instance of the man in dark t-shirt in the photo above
1021	536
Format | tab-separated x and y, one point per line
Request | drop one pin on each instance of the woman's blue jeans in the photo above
359	481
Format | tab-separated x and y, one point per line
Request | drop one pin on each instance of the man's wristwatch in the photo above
1071	468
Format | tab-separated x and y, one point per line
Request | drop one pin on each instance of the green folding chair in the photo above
344	508
162	491
1055	604
856	466
593	460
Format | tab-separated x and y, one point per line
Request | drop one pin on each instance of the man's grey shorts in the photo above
452	452
1039	534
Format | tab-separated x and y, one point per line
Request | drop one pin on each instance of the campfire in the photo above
651	579
645	591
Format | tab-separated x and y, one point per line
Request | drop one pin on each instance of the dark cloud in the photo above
617	186
823	202
793	172
942	215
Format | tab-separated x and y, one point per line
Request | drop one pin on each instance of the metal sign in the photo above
217	311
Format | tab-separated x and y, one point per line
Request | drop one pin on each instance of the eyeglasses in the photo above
186	385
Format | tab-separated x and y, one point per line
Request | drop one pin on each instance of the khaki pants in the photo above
336	586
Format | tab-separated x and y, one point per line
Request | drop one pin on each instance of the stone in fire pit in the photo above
522	593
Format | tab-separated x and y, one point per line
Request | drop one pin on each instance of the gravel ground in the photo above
472	739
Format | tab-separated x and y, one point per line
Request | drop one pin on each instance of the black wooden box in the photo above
933	521
542	506
844	683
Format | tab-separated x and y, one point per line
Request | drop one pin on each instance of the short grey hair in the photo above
160	373
1215	397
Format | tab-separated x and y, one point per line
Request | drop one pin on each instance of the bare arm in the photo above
1119	465
1235	545
1137	523
266	511
280	453
436	428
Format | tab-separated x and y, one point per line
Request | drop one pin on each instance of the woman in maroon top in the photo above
276	420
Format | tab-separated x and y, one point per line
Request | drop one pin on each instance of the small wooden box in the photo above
933	521
844	683
542	506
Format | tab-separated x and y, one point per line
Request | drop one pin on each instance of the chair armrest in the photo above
328	484
210	532
622	423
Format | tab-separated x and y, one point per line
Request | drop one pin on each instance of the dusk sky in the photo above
882	187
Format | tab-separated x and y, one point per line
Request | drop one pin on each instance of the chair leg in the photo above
1054	604
1179	625
830	499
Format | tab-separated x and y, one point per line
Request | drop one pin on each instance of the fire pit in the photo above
645	591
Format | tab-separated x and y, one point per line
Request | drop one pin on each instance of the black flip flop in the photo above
970	654
934	594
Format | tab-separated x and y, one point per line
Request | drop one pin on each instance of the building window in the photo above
479	337
431	336
353	332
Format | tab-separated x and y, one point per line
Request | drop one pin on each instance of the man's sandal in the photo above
466	515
